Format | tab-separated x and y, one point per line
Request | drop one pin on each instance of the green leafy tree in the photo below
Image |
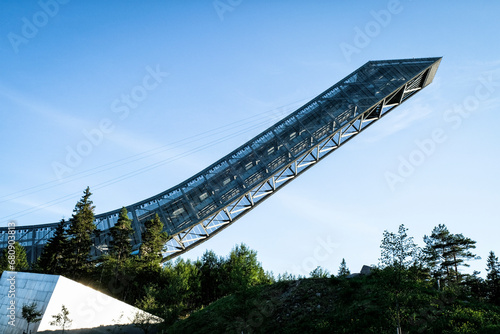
153	241
62	319
493	278
52	260
121	234
80	232
14	258
210	268
398	254
343	270
319	272
187	282
30	314
398	249
242	270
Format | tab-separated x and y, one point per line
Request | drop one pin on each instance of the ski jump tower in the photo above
225	191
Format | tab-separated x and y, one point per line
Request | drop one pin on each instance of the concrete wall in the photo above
88	308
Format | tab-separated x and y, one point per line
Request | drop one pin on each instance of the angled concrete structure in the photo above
88	308
225	191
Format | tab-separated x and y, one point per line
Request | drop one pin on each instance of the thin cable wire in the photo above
130	174
139	156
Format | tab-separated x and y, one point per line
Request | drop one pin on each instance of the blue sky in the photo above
206	76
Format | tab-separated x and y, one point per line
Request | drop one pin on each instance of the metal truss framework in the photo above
208	202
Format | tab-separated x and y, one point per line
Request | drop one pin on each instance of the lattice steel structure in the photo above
211	200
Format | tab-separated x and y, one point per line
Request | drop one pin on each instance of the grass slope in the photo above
285	307
364	304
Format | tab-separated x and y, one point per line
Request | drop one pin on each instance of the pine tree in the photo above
121	234
153	240
435	251
493	278
210	277
459	252
343	270
14	259
80	233
445	252
53	257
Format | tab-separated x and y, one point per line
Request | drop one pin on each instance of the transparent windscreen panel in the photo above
280	160
193	183
274	151
144	213
407	70
222	180
392	81
247	164
317	123
289	132
270	151
242	152
333	92
216	170
200	195
178	212
101	222
168	197
251	170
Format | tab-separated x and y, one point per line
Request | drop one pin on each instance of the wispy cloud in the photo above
402	119
30	104
322	213
29	206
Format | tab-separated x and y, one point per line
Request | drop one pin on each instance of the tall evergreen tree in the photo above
52	260
445	252
210	277
80	232
121	234
153	240
459	252
343	270
435	251
493	278
15	259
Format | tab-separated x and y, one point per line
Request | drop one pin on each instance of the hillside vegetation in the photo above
363	304
412	290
